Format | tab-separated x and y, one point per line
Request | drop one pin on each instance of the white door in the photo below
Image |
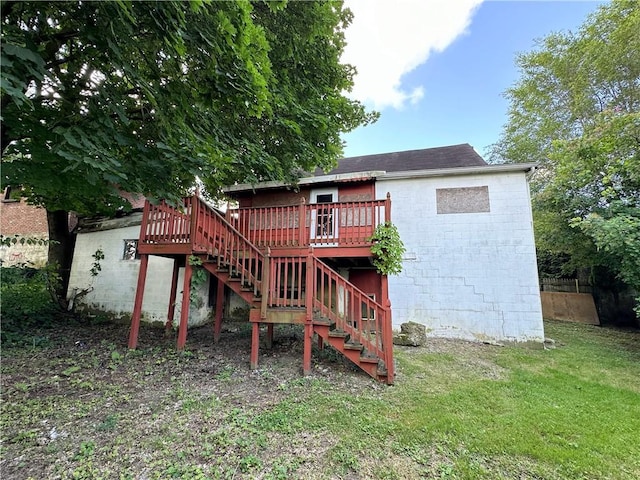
324	218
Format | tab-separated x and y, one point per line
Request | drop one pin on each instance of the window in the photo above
131	250
372	312
11	195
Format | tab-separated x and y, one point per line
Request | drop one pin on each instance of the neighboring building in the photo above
113	289
19	218
301	254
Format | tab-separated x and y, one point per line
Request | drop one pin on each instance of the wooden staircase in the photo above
330	307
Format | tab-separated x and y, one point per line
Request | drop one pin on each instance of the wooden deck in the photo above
280	275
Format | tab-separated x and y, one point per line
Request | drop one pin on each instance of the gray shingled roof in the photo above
429	158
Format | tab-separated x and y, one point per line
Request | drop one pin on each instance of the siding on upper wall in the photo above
356	192
347	192
273	198
114	288
471	274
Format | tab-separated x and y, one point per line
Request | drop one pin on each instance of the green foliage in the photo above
96	267
576	111
199	277
26	303
100	97
16	239
387	249
619	238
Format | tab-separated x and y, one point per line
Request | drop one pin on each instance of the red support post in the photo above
172	295
255	344
265	286
195	214
308	325
217	326
184	311
387	208
387	333
137	306
302	223
142	238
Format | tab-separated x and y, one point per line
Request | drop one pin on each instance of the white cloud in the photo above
388	39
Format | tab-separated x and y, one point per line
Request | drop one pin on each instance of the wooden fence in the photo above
568	285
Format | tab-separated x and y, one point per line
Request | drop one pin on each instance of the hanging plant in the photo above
387	249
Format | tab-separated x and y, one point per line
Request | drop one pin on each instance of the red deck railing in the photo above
323	224
295	280
354	312
165	224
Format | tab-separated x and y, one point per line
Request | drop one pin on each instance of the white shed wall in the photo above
114	288
466	275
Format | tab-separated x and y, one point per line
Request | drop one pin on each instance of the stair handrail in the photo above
382	349
213	243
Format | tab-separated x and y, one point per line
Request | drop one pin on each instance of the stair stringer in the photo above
356	353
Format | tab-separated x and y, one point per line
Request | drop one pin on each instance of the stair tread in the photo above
353	346
322	321
338	334
365	359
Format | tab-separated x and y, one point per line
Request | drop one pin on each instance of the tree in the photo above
104	97
576	111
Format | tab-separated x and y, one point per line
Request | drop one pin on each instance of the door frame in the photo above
331	213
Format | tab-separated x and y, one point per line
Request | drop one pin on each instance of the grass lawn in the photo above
77	404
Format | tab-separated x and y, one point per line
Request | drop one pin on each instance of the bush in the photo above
26	302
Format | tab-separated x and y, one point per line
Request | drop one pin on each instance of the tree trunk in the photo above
61	243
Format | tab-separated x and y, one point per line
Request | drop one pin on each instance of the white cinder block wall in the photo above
114	288
466	275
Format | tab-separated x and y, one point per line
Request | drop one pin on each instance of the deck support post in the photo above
217	325
172	296
387	333
255	344
137	306
302	223
269	336
320	343
184	310
308	338
308	322
387	208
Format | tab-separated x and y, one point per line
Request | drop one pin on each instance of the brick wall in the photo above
19	218
469	275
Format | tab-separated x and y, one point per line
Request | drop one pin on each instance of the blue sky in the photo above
448	88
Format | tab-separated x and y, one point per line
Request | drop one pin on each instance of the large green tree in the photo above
104	97
576	111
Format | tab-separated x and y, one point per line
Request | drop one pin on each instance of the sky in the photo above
436	70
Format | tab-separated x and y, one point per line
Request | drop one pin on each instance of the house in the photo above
302	254
18	218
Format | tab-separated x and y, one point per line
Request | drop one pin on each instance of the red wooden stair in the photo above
293	288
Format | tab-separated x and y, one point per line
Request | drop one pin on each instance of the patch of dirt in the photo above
71	404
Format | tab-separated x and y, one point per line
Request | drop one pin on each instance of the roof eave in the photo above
336	178
454	171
